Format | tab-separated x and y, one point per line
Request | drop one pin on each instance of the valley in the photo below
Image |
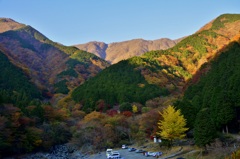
121	93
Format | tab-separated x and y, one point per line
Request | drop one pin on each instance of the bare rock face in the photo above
115	52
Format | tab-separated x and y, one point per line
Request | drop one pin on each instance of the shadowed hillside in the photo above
214	97
51	66
13	79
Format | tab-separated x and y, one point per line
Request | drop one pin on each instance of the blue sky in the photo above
79	21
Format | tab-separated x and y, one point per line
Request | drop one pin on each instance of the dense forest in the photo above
13	82
217	92
24	122
131	86
33	69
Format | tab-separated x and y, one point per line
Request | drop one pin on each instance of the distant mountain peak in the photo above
9	24
6	20
117	51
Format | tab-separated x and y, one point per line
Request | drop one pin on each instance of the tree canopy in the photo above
117	84
173	124
204	130
218	90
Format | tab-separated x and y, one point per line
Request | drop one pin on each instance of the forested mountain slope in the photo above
14	84
33	68
166	71
52	67
217	90
117	51
203	69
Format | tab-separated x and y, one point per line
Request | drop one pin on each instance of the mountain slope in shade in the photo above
217	89
167	71
115	52
13	79
51	66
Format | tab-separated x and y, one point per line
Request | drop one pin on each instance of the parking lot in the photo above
125	154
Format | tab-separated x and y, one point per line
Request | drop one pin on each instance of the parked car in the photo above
131	149
157	154
114	155
108	152
154	154
149	153
139	151
124	147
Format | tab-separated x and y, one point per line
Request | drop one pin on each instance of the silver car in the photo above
114	155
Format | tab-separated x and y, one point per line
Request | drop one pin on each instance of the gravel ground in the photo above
125	154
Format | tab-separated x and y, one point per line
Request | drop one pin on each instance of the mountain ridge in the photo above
9	24
117	51
49	65
165	69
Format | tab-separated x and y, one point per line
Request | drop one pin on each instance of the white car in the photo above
154	154
114	155
124	147
108	152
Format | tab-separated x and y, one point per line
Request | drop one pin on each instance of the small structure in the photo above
156	139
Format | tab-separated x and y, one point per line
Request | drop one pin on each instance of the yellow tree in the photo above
134	109
172	125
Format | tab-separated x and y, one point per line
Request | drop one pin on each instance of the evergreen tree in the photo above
222	109
204	130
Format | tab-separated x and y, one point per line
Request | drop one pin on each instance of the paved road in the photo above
124	154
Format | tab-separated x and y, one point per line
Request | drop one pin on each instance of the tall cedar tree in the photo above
204	130
173	124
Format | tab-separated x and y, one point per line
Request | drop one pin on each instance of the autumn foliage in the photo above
120	104
173	124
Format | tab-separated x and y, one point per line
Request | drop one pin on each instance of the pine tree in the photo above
204	130
173	124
